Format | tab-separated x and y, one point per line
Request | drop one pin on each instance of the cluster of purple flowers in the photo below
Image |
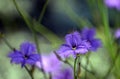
113	3
28	55
75	43
79	43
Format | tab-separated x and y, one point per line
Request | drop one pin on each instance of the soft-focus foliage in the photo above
19	21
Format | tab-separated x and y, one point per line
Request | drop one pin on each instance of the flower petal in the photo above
81	50
73	38
65	50
117	33
30	61
27	48
113	3
50	63
15	53
88	33
33	58
17	60
65	73
95	44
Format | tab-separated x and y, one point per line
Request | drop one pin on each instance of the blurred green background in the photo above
60	17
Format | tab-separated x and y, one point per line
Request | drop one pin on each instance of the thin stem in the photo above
38	50
87	62
31	75
7	43
50	76
87	70
113	64
25	18
79	71
75	62
43	11
65	61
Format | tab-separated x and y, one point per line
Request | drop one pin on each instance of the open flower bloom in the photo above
117	33
65	73
50	63
113	3
26	55
88	35
73	45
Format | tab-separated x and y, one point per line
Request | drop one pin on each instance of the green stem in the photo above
38	49
105	20
87	70
79	71
64	61
113	64
67	62
43	11
75	62
31	75
87	62
50	76
30	25
7	43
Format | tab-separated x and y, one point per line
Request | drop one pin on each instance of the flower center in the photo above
74	47
26	57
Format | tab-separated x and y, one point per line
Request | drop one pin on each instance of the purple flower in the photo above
26	55
117	33
66	73
113	3
50	63
73	45
88	35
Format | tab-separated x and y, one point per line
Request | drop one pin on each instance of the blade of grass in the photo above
80	21
105	20
43	11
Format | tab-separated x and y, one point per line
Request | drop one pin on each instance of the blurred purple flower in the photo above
73	45
26	54
88	35
117	33
67	73
50	63
113	3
